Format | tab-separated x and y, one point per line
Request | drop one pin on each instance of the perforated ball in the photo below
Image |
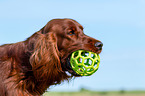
84	63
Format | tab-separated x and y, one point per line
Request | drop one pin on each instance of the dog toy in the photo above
84	63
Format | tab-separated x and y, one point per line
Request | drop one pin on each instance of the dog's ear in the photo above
45	58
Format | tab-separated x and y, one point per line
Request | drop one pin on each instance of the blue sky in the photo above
119	24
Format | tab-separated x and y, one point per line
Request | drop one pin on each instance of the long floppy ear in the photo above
45	59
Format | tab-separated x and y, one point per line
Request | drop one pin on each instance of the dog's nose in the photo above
99	45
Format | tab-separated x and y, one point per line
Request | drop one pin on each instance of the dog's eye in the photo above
71	32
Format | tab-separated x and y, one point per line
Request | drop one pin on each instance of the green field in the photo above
92	93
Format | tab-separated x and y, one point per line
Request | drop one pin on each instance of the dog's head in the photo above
67	36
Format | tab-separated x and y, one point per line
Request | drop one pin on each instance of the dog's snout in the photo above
99	45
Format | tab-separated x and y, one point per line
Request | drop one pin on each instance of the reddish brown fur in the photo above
28	68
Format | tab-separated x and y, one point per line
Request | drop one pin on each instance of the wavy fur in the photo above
29	67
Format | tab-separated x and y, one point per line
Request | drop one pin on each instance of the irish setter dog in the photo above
29	67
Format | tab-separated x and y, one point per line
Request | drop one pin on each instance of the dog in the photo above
29	67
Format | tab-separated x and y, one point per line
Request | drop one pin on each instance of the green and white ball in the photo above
84	63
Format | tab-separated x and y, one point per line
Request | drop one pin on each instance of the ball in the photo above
84	63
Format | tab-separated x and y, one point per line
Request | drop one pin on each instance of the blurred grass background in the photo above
97	93
85	92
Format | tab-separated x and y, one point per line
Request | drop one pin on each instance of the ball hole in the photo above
89	70
95	65
80	60
76	54
81	68
73	63
96	61
90	61
85	61
87	54
84	54
93	56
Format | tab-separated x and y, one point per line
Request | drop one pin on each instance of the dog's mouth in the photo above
69	68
